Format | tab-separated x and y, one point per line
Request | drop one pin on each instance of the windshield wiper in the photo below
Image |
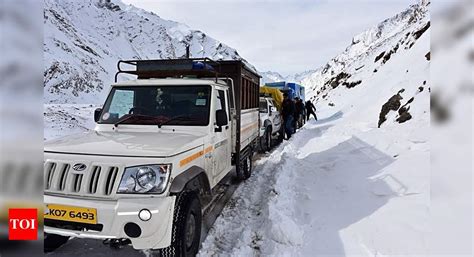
125	118
179	117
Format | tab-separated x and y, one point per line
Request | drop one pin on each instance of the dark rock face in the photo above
421	31
379	56
108	5
387	57
428	56
351	84
391	105
403	113
420	89
336	81
404	117
331	104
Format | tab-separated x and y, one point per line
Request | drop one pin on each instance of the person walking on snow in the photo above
299	113
310	109
288	113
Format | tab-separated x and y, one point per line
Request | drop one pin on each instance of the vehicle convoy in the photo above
270	118
292	89
162	142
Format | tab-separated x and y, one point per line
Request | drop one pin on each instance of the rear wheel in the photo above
246	166
187	222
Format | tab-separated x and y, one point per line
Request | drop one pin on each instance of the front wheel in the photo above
266	140
53	242
187	222
281	133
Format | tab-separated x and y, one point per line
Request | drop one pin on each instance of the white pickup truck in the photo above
161	144
270	123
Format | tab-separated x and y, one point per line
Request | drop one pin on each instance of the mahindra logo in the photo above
79	167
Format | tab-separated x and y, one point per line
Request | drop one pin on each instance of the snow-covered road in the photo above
324	192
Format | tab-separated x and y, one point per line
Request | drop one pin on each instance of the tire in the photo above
246	167
268	134
281	134
53	242
266	140
187	221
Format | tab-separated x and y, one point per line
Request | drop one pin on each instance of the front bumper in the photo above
113	215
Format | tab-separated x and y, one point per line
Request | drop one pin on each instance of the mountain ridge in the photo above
83	40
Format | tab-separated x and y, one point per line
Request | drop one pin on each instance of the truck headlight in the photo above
151	179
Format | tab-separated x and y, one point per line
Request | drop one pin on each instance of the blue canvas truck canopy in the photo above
292	89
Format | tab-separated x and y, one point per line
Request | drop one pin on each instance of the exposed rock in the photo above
387	57
351	84
421	31
331	104
404	117
428	56
336	81
403	113
420	89
379	56
391	105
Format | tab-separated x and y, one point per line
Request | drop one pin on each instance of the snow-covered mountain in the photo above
272	76
83	40
370	51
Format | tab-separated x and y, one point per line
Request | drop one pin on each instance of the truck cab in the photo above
143	175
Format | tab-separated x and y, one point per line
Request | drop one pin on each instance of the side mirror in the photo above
273	109
97	113
221	118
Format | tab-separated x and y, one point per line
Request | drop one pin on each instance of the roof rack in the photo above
164	68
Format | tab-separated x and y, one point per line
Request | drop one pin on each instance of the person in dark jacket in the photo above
299	113
310	109
288	113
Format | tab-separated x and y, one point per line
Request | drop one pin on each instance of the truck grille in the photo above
96	180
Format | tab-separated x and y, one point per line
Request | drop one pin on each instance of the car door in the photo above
275	117
221	139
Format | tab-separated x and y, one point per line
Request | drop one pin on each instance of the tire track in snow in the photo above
244	227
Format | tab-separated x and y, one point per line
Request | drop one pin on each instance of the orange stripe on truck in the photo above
209	149
194	156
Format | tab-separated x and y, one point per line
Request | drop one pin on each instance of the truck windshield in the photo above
155	105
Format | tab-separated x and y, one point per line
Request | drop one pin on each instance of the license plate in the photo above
71	213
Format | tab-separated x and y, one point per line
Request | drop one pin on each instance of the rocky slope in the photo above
83	40
369	52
